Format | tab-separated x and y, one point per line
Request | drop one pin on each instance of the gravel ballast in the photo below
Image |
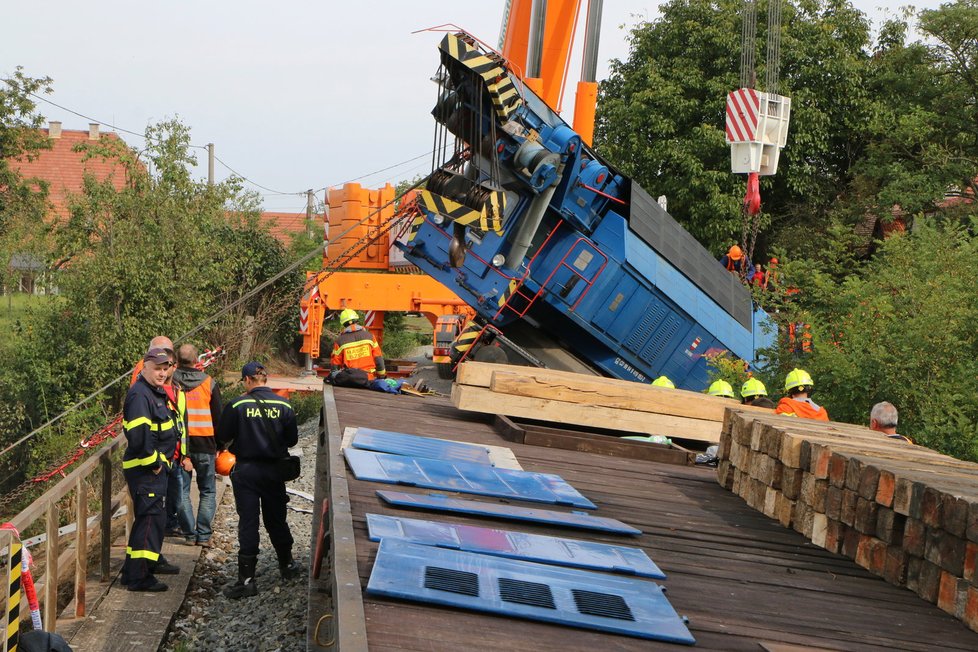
275	619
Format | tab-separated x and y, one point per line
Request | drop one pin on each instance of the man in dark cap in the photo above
259	427
151	430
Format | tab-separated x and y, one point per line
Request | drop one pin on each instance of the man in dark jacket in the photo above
203	407
259	427
151	430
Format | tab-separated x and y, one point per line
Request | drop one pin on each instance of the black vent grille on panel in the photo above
664	234
661	339
648	324
453	581
607	605
521	592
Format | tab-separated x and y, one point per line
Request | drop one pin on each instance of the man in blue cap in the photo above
151	430
259	427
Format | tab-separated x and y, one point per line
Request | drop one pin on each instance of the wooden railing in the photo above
57	565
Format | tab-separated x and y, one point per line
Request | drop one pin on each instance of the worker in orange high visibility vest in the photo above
356	348
203	413
798	386
737	263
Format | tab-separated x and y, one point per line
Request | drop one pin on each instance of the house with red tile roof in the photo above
63	169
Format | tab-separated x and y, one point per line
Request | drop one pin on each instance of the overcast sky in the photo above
294	95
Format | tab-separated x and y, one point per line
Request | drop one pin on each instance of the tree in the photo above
900	331
22	201
156	257
661	112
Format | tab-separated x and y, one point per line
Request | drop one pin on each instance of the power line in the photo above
258	185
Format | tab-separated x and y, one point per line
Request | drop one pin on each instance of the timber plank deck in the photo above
740	577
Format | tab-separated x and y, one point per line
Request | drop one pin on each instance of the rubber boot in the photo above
289	568
245	587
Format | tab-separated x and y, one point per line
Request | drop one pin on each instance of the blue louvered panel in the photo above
463	477
516	545
398	443
521	589
434	502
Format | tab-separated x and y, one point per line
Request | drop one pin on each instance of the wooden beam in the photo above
588	390
480	399
81	546
610	446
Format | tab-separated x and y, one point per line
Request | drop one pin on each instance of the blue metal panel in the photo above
435	502
464	477
564	596
398	443
556	551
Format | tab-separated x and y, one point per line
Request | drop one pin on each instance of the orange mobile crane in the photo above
536	38
375	280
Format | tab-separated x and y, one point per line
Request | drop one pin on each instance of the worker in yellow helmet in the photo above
355	348
753	392
798	385
721	388
663	381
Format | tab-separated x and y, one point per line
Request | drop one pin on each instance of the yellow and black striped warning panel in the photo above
467	337
415	227
13	598
504	297
505	97
489	218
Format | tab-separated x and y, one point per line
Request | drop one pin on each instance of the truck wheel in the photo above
444	370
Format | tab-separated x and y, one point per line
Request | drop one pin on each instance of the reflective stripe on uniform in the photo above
143	461
142	554
264	401
144	421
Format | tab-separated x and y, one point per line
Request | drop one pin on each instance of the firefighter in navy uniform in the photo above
258	427
152	432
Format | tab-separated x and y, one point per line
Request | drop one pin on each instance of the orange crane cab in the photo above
377	278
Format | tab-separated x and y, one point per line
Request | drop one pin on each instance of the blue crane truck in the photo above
570	263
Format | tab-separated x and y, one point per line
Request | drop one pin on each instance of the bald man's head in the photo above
160	342
187	355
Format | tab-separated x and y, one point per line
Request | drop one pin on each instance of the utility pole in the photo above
311	232
310	213
210	164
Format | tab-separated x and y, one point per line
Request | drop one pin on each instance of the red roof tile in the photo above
64	169
283	225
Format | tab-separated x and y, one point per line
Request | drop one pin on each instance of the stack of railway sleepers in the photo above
608	403
905	513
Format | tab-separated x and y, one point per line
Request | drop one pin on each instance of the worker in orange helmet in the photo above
736	262
798	386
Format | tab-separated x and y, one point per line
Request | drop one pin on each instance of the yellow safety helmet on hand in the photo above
753	387
348	315
721	388
798	378
663	381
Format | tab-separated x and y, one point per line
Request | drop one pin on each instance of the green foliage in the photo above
902	331
661	111
307	405
141	255
22	201
728	368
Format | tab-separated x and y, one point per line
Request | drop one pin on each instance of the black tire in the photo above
445	370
